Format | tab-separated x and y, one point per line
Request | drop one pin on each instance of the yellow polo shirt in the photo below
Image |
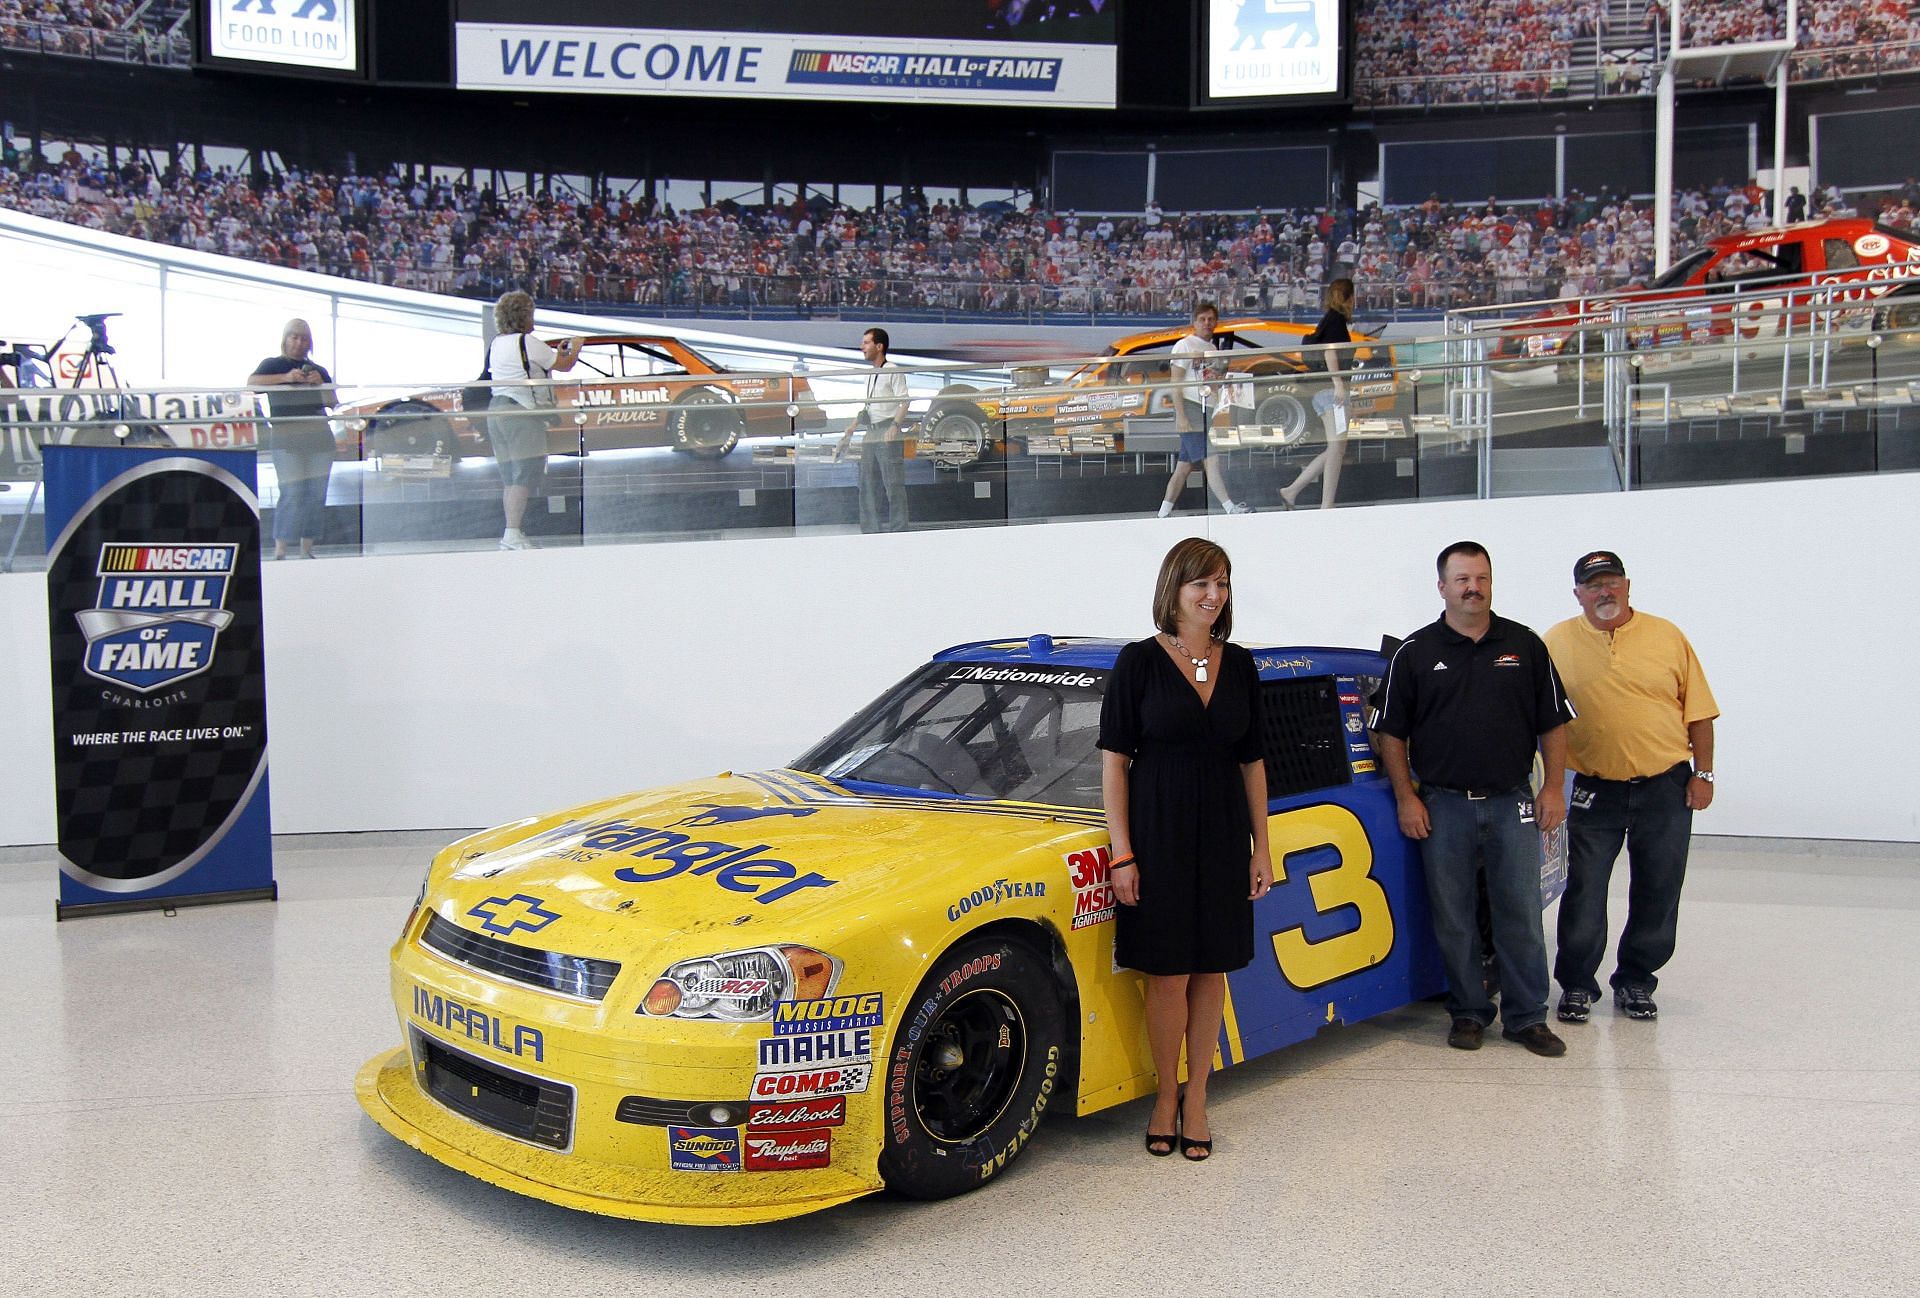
1636	689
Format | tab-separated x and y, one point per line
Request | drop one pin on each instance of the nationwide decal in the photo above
504	915
703	1149
797	1114
475	1024
1090	872
811	1083
828	1014
159	610
993	893
914	70
782	1054
667	853
1024	676
789	1151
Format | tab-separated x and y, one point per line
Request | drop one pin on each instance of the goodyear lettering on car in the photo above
475	1024
828	1014
735	868
997	891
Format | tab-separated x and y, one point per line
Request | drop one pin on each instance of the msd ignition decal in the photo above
788	1151
158	612
1090	871
665	853
703	1149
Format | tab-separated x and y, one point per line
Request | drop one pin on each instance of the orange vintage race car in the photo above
1087	411
1747	288
627	390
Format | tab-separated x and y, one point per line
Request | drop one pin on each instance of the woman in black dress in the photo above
1186	802
1330	403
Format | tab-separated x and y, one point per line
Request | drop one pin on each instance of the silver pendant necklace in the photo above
1199	664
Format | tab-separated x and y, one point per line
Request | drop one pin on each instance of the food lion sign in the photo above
158	676
301	33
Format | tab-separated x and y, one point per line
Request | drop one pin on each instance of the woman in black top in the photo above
1186	802
1330	402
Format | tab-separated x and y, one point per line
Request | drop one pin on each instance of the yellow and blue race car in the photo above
758	995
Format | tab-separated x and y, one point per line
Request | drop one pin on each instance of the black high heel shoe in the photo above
1189	1146
1156	1138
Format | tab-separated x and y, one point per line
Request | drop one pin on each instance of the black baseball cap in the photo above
1598	563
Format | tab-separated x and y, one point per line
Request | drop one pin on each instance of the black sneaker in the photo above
1539	1038
1635	1002
1574	1006
1466	1033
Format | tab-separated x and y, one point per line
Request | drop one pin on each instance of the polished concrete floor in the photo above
181	1121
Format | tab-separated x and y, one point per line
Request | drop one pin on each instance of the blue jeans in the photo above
1653	819
302	476
1499	834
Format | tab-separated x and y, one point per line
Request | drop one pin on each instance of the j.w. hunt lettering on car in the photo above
893	979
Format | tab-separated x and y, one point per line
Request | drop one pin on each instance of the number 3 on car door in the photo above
1303	840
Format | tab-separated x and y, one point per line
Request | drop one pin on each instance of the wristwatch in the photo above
1704	775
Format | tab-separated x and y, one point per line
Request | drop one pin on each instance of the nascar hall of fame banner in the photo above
1058	53
159	678
1272	49
319	34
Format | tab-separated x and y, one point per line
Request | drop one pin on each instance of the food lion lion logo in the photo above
159	611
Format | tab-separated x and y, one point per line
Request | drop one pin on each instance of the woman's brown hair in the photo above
1339	296
1190	560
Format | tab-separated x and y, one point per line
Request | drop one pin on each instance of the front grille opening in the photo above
528	1108
1302	738
553	971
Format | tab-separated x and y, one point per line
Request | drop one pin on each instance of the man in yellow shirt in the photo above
1641	751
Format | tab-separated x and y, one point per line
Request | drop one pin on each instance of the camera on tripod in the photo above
97	330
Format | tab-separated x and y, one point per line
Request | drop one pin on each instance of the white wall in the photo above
454	690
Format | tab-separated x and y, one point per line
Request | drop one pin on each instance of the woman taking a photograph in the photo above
1330	403
517	415
1186	803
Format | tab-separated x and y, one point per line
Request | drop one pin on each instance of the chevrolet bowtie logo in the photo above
503	915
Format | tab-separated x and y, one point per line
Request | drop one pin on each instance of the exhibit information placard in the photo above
159	678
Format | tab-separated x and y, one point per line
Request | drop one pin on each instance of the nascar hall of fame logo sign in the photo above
158	674
303	33
159	612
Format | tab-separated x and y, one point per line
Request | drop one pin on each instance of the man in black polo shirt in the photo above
1467	699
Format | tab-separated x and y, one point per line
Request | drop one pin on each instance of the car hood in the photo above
770	856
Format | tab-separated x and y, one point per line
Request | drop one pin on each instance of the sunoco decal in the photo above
703	1149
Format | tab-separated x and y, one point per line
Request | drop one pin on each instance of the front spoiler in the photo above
386	1090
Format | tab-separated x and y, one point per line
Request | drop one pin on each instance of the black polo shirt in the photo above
1472	711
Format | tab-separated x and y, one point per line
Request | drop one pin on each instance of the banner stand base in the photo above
74	910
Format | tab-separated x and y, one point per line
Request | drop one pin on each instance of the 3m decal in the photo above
503	915
1090	872
797	1114
830	1014
703	1149
1304	841
789	1151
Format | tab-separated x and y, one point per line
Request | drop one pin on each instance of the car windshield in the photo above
1678	273
979	730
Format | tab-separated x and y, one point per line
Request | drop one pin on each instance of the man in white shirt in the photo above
883	465
1199	391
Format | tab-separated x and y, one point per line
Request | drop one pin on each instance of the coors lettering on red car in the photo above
802	1113
789	1151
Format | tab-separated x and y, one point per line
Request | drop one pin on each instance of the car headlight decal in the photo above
741	986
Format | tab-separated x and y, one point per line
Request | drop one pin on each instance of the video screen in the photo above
309	35
1273	51
1051	53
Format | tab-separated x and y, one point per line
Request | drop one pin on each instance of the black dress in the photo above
1186	809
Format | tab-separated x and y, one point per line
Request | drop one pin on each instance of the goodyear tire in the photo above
411	428
1901	314
976	1059
958	436
1280	405
706	424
